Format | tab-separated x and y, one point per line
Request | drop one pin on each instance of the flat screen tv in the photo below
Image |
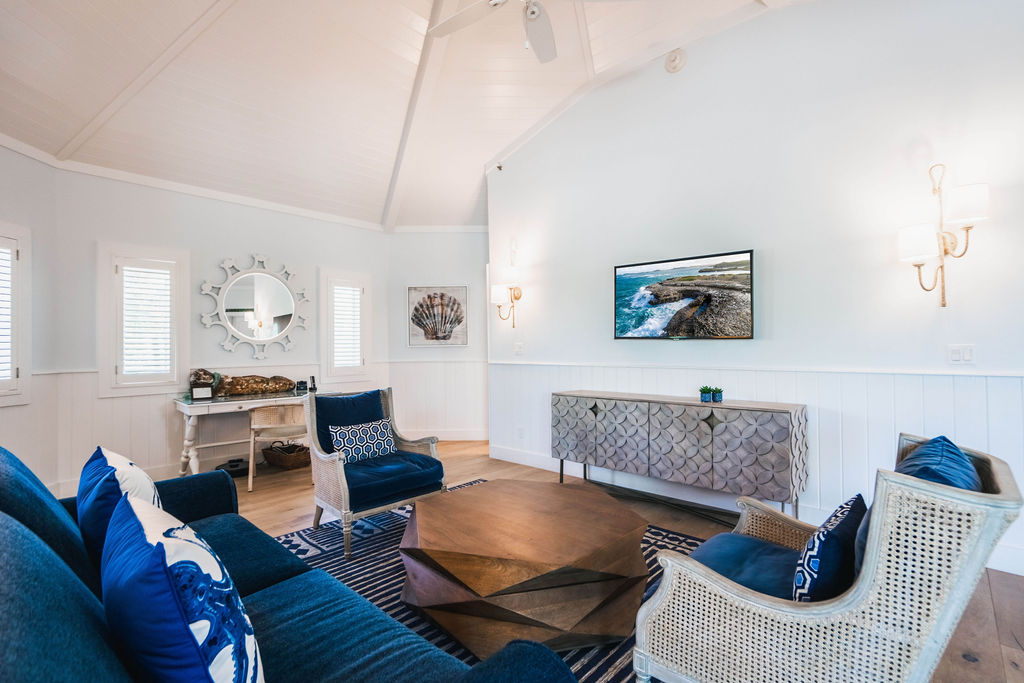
700	297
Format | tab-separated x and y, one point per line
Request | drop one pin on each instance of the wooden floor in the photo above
987	646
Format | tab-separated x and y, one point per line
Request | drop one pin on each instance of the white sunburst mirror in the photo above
256	306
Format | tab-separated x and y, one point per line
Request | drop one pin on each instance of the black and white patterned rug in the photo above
376	572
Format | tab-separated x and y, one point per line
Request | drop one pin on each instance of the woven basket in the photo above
287	456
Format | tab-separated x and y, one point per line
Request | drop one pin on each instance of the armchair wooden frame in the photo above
330	489
927	547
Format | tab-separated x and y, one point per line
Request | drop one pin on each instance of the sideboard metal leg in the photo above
561	471
585	472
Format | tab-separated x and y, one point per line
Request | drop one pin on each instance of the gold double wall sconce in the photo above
962	207
503	295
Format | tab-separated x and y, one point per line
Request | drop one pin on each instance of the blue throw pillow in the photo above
360	442
938	460
170	602
105	478
825	568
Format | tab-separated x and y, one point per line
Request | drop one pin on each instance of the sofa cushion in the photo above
171	603
106	477
345	411
938	460
520	660
53	627
362	441
826	565
389	478
253	559
314	628
759	565
26	499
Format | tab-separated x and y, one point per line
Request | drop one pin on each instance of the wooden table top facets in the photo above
559	564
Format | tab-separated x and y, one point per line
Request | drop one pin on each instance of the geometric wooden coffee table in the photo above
556	563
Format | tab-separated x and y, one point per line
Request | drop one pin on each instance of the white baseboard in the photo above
467	434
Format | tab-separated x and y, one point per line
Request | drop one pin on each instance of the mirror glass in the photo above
258	306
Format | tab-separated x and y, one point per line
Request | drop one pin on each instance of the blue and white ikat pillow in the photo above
362	441
106	477
826	565
171	603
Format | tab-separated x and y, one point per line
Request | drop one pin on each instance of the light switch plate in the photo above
960	354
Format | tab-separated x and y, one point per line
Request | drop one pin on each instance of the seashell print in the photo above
437	314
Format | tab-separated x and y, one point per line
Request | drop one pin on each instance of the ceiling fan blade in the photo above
464	17
537	24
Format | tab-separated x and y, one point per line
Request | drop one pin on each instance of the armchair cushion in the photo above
362	441
826	565
170	601
345	411
26	499
378	481
938	460
752	562
106	477
198	495
253	559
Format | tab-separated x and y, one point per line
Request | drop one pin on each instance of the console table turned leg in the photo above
189	454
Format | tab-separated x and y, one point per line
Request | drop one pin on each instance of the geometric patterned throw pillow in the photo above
825	568
360	442
171	603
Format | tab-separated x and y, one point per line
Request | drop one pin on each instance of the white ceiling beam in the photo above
196	29
633	63
583	28
428	72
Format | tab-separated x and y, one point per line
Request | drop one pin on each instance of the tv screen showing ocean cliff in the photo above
701	297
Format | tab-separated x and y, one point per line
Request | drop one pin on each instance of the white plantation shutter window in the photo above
346	346
145	321
9	371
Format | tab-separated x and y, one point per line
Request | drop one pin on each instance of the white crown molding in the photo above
182	188
440	228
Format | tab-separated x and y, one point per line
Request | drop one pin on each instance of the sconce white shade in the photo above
499	294
968	204
919	242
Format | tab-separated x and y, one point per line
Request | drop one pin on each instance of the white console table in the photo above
192	410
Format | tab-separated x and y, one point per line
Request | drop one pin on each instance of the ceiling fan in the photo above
536	24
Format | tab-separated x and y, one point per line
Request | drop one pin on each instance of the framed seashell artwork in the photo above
437	316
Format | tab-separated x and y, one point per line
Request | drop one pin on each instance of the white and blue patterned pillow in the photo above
368	440
106	477
826	565
171	603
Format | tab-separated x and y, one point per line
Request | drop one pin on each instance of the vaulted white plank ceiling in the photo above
345	109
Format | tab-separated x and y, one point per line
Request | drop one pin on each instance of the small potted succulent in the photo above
716	394
705	394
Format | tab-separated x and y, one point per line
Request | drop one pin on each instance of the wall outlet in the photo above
519	348
960	354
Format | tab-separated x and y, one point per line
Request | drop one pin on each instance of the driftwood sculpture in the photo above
244	385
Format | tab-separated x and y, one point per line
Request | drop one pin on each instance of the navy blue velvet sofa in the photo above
309	626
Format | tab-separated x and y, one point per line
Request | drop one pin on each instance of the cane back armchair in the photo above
927	547
414	469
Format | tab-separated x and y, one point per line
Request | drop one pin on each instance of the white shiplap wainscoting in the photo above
66	420
446	399
853	422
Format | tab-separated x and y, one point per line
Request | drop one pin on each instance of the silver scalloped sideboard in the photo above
745	448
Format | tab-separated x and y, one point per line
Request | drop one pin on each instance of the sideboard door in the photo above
572	421
752	451
621	439
681	444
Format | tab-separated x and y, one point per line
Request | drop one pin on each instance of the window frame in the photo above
111	259
331	374
18	390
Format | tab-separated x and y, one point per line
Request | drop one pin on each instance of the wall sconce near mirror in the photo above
502	295
966	204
